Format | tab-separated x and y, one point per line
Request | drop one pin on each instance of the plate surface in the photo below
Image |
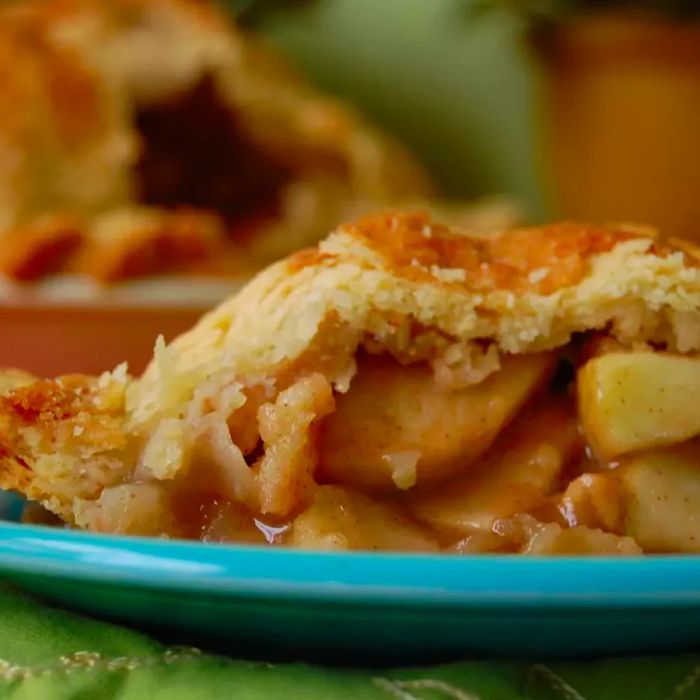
358	606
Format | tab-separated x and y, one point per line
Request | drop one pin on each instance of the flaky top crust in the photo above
425	291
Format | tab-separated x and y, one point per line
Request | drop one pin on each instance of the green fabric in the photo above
48	654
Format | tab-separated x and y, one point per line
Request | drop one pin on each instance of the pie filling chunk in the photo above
401	387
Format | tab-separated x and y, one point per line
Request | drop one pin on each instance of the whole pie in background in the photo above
149	136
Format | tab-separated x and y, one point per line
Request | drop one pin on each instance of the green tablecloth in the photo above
54	655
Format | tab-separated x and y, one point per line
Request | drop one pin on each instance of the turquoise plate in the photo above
362	606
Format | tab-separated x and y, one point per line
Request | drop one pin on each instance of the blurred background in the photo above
460	89
575	108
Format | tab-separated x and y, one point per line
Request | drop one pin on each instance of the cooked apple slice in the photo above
341	519
482	543
396	427
553	540
517	477
662	491
129	509
11	379
594	500
633	401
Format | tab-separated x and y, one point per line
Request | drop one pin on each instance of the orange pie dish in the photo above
401	386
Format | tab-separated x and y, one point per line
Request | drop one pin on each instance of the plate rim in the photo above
370	578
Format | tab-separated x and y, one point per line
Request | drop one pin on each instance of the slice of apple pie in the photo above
402	386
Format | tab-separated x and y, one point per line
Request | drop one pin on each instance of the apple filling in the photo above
586	450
